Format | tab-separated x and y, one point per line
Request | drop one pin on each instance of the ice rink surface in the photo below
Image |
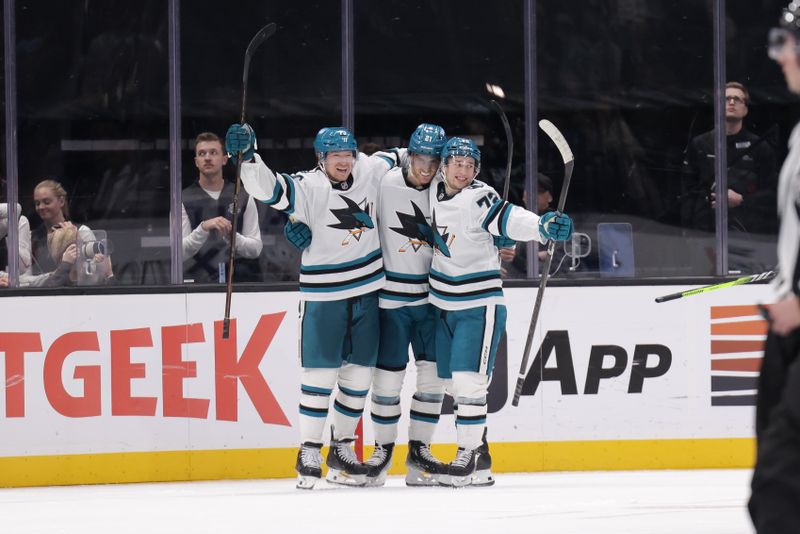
646	502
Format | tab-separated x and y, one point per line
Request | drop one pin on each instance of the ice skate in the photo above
483	465
379	464
424	469
309	465
343	466
460	470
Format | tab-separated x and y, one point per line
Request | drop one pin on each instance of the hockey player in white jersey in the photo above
340	274
407	319
466	288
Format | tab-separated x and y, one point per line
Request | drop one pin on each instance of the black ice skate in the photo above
378	464
424	469
309	465
483	465
343	466
460	470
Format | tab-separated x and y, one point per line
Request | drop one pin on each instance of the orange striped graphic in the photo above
727	347
726	312
741	328
737	364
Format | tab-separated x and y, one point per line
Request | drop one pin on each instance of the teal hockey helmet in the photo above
427	140
335	139
461	146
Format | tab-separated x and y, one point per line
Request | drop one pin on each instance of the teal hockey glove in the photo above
504	242
240	138
298	234
556	226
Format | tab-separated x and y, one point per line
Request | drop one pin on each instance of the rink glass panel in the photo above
294	89
629	94
93	114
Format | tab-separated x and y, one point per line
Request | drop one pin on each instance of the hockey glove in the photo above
504	242
240	138
298	234
556	226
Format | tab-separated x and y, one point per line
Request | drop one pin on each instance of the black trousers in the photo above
775	500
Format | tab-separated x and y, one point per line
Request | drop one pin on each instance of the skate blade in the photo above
306	482
376	482
417	478
343	478
482	477
455	482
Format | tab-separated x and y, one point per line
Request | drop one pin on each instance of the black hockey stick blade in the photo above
509	145
262	35
761	277
558	139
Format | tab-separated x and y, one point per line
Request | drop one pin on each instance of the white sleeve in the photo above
24	245
4	218
248	242
193	240
507	220
262	184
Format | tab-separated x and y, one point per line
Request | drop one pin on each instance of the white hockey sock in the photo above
315	392
385	413
426	404
470	421
469	394
354	381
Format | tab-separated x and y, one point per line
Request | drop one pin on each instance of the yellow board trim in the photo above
611	455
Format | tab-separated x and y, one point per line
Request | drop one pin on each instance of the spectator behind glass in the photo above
50	201
516	259
752	176
24	236
206	220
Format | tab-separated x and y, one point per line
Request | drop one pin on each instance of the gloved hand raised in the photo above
240	138
556	226
298	234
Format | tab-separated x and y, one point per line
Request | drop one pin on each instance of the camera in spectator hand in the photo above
90	248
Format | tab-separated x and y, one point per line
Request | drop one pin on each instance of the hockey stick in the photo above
509	145
255	42
761	277
569	161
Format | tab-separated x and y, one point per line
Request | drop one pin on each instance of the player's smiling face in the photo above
338	165
458	173
422	168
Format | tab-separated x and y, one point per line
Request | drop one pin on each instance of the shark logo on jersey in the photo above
355	218
416	228
441	239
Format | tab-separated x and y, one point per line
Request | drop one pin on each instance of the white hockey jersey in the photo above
404	224
344	259
465	272
788	279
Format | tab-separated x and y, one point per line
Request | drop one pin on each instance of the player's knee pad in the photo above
428	382
355	377
386	385
469	387
318	377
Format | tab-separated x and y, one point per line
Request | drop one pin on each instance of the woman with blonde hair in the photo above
50	201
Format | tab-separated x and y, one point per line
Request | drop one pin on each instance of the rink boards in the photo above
123	388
